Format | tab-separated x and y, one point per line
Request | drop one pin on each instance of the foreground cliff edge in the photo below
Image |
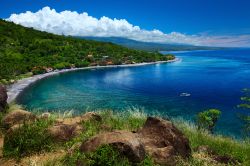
110	138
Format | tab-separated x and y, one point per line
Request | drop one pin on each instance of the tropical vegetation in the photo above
207	119
24	50
245	117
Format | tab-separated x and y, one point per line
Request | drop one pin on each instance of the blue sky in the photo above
199	22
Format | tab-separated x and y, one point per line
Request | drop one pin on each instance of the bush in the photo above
62	65
82	64
207	119
28	139
246	116
38	70
169	57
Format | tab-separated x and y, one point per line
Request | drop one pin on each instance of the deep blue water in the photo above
213	78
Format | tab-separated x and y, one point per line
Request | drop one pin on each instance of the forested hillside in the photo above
25	50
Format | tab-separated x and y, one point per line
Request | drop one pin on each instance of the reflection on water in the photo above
213	79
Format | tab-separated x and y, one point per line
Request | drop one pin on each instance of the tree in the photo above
82	64
207	119
23	49
245	117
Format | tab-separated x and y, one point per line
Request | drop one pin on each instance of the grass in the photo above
13	107
201	160
105	155
239	150
32	138
28	139
111	120
55	162
129	120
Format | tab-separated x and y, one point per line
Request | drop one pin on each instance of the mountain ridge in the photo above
149	46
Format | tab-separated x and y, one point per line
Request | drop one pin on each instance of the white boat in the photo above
185	94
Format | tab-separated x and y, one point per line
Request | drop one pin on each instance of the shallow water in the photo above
214	79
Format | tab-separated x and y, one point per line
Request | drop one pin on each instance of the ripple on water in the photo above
213	78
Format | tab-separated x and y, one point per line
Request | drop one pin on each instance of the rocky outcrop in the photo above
163	141
91	116
13	128
159	138
67	128
3	98
17	117
45	115
126	142
64	132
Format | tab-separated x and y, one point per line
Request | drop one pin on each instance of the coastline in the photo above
15	89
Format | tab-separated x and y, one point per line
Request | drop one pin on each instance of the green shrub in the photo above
38	70
4	81
168	57
28	139
207	119
62	65
82	64
246	116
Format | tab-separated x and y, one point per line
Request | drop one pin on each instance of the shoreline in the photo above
15	89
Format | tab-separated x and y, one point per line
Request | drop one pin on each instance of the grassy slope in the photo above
237	149
22	49
130	120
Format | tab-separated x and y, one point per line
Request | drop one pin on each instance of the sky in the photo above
198	22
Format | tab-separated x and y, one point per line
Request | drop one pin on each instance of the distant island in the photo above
25	52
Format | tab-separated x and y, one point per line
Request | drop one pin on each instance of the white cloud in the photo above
81	24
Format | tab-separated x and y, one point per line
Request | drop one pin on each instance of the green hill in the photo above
25	50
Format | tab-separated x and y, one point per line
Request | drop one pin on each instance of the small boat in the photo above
185	94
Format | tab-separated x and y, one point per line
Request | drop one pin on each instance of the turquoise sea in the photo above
201	80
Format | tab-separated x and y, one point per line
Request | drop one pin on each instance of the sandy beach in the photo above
15	89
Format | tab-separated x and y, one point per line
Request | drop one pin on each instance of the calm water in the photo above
213	78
